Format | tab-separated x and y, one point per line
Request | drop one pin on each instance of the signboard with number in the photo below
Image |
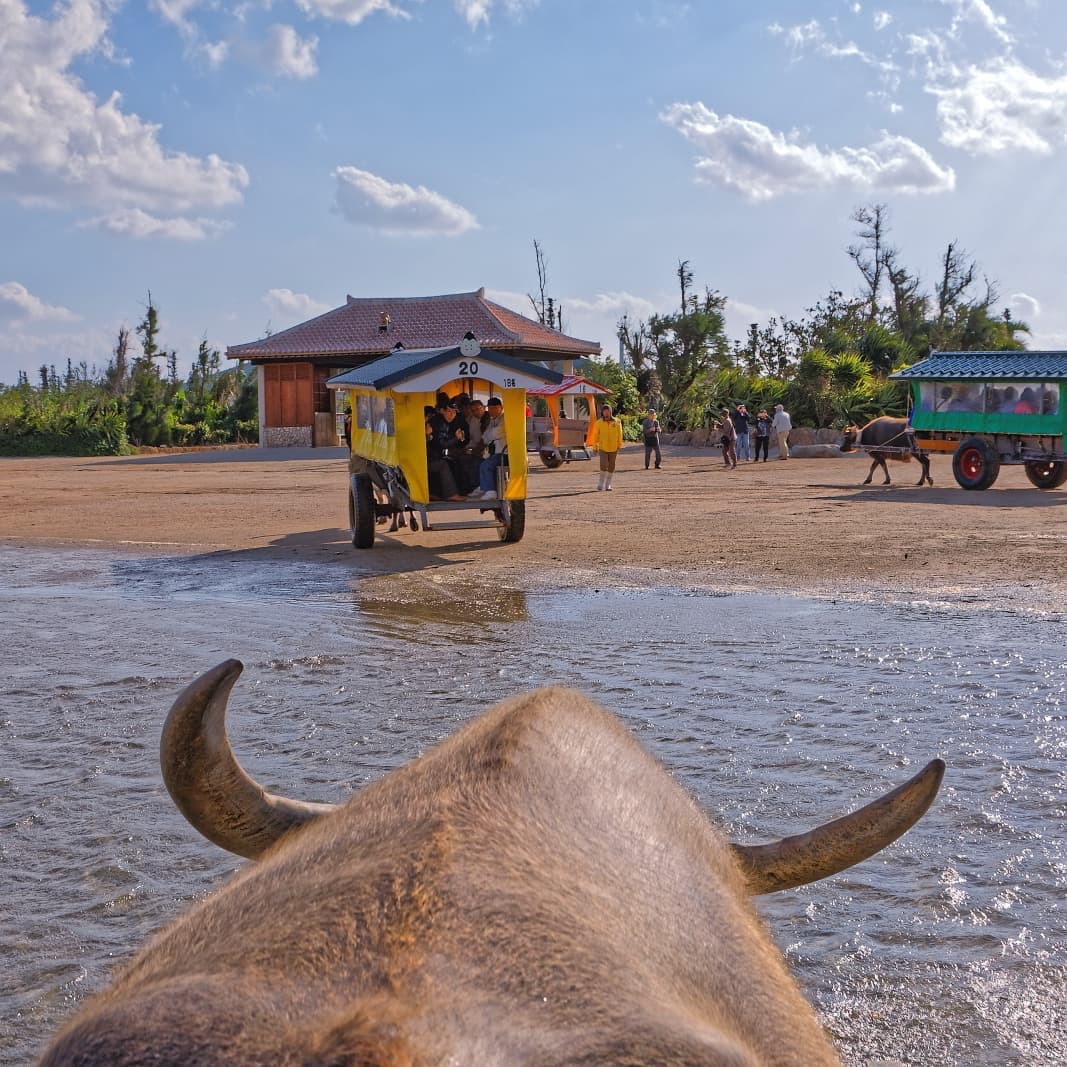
473	367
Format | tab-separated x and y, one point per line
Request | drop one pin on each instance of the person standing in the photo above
739	418
763	434
650	429
725	426
607	440
782	425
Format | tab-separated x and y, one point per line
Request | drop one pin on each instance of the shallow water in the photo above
777	712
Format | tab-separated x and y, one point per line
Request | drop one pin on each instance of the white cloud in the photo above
351	12
980	12
1003	107
614	304
882	19
393	207
760	163
290	55
17	302
810	36
60	147
1024	306
296	306
175	12
215	52
133	222
477	12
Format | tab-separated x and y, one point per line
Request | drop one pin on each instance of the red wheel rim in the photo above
971	463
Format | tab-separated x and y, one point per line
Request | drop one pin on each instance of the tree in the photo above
680	348
872	255
548	312
147	420
117	375
622	383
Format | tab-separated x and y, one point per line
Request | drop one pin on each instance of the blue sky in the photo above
251	163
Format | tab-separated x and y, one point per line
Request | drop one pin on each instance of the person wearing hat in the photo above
607	440
763	434
650	429
496	446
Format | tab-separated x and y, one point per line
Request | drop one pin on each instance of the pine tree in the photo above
146	414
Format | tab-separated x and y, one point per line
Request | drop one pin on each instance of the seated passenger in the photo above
1027	404
450	439
442	483
496	446
474	453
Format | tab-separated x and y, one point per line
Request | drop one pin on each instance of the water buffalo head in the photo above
535	889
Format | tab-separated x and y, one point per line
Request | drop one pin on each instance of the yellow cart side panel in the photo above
515	431
373	426
409	410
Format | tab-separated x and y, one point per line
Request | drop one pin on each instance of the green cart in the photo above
989	409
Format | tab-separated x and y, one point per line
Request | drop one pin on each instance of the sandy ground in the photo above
802	526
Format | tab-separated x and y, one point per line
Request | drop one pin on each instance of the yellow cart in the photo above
388	475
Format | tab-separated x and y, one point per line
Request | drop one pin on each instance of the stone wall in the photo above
286	437
799	435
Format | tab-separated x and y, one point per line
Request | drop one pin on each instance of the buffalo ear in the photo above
837	845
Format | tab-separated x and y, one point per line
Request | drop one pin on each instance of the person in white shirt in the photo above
496	444
782	425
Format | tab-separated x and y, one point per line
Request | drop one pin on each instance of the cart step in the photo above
478	524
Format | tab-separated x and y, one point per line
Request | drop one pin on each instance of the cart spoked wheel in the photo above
512	520
975	463
1046	474
361	511
551	459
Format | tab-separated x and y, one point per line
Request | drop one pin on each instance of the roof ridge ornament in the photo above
469	346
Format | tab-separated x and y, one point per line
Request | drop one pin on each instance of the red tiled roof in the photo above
416	322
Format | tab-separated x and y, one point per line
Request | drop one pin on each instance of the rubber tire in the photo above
361	511
515	526
1046	475
551	460
975	463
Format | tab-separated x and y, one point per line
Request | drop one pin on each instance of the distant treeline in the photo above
133	402
829	367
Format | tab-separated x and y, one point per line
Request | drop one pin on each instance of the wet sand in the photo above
802	526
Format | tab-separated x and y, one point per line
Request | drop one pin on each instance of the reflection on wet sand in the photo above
468	605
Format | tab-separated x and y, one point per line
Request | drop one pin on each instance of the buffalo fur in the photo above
535	890
892	433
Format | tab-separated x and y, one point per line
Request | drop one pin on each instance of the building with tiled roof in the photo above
295	407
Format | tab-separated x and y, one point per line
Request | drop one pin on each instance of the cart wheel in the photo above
361	511
975	463
1046	474
512	521
551	459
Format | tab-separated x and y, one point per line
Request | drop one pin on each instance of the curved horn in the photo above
839	844
207	783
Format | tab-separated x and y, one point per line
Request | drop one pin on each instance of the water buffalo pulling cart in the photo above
389	478
990	409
